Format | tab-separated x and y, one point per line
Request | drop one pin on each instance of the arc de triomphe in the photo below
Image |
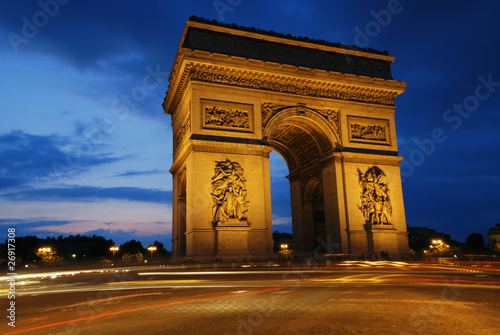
235	95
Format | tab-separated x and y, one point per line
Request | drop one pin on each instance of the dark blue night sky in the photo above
85	147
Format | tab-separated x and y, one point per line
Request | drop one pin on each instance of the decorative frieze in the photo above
286	85
367	130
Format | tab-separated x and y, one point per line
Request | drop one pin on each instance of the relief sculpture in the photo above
181	133
368	132
283	86
229	193
268	110
375	200
226	117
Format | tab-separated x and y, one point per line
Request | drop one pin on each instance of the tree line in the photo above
31	250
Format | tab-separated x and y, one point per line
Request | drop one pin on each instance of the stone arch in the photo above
313	190
300	135
313	203
307	140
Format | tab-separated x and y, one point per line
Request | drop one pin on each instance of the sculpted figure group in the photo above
375	201
229	193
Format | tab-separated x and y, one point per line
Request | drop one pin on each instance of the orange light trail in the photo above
143	308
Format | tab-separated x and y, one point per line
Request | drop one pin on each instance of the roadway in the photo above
361	298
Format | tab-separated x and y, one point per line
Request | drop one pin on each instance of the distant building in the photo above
494	235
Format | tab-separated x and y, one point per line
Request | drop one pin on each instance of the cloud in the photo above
92	34
140	173
92	194
44	218
27	157
30	158
282	220
90	227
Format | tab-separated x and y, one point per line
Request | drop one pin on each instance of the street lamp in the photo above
114	249
46	255
152	248
436	243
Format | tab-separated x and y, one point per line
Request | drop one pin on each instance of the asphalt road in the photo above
350	300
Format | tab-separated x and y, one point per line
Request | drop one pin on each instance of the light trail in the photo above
144	308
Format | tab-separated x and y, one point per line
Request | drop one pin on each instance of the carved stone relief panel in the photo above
375	197
229	195
181	133
367	130
227	116
333	117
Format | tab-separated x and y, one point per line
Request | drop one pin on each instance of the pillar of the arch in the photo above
235	239
182	226
178	217
298	227
308	224
368	238
334	200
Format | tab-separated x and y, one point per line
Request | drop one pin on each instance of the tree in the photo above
160	248
134	258
132	247
100	246
474	242
27	247
49	256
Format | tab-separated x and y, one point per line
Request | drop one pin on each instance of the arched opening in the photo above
314	197
280	194
306	141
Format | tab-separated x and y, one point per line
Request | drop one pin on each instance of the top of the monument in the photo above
287	36
270	47
226	48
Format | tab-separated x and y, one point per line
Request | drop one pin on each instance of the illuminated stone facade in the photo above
234	96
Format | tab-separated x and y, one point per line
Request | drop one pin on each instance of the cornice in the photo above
281	78
194	145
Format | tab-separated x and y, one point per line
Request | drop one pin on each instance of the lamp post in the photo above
152	248
114	249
